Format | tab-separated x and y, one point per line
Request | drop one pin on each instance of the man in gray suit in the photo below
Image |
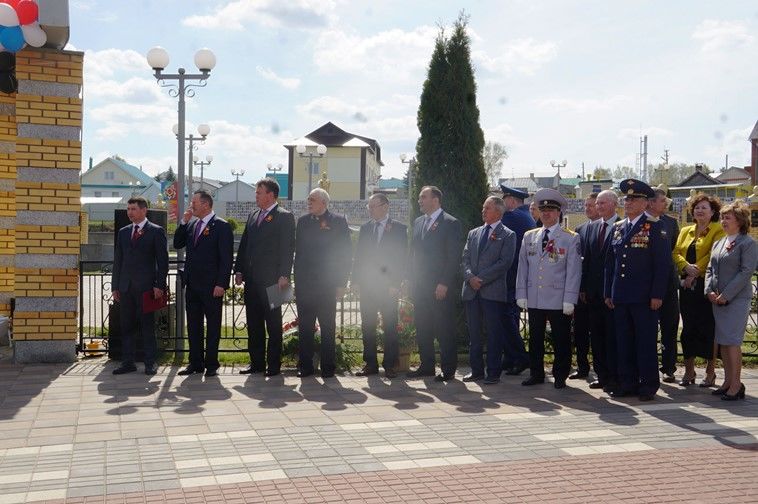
487	255
264	258
140	266
549	275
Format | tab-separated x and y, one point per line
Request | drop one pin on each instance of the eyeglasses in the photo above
371	207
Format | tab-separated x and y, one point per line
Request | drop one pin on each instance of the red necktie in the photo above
135	233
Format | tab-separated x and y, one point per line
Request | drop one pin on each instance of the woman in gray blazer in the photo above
729	287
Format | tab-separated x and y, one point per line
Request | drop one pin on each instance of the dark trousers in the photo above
603	335
436	319
637	337
133	319
261	319
201	305
485	316
373	303
514	352
669	323
317	303
581	337
560	326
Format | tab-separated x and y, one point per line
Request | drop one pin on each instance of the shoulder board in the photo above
618	222
535	230
569	231
650	218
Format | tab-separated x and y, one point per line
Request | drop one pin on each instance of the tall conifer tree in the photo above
449	150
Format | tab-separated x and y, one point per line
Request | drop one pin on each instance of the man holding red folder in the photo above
140	267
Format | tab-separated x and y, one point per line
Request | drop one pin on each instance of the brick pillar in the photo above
7	200
48	117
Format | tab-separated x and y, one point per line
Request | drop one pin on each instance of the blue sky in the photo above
573	80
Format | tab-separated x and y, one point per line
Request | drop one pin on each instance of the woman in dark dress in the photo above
691	255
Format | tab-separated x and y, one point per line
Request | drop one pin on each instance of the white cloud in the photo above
308	14
122	119
734	143
717	36
582	105
285	82
108	62
636	133
395	52
85	5
524	56
502	134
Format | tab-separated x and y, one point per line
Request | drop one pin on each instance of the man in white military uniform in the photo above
547	285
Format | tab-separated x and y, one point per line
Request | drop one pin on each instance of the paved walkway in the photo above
79	433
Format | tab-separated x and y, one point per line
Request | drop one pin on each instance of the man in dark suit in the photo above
488	254
582	312
323	254
264	258
637	269
207	269
140	265
602	325
518	219
378	270
669	312
435	263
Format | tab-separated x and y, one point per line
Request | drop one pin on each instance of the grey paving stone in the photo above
302	472
85	491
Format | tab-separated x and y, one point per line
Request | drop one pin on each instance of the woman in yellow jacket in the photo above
691	256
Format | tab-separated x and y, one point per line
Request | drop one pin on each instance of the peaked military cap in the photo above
550	198
511	191
633	188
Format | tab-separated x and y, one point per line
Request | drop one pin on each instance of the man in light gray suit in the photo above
549	275
487	256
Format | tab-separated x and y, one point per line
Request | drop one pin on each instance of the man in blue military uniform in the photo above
547	284
637	268
517	219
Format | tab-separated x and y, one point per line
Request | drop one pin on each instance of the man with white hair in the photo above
323	255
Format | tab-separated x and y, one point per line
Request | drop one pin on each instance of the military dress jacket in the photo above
548	278
638	262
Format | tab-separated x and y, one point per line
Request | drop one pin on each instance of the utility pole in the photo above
665	157
643	158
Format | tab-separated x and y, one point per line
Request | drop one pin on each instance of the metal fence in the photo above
95	309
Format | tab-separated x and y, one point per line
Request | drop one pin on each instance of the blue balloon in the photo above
12	38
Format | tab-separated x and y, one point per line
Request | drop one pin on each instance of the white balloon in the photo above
8	16
34	35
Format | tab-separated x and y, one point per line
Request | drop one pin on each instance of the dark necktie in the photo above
427	221
601	236
545	239
483	239
376	232
135	233
198	226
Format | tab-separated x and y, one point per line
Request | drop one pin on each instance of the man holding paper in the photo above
264	260
140	266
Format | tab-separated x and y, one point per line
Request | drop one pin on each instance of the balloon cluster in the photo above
19	25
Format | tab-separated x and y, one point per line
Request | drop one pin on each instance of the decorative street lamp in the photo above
205	61
320	151
274	169
203	130
560	165
203	164
411	162
238	174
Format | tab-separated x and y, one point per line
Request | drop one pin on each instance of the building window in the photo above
109	175
98	194
115	194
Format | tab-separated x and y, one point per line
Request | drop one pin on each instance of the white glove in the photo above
521	303
568	309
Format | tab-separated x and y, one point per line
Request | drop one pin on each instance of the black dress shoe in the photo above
303	373
472	377
271	372
250	370
151	369
390	373
491	380
125	368
210	372
646	397
739	395
559	384
419	373
443	377
367	371
669	378
327	374
578	375
597	384
188	371
533	380
620	393
515	370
